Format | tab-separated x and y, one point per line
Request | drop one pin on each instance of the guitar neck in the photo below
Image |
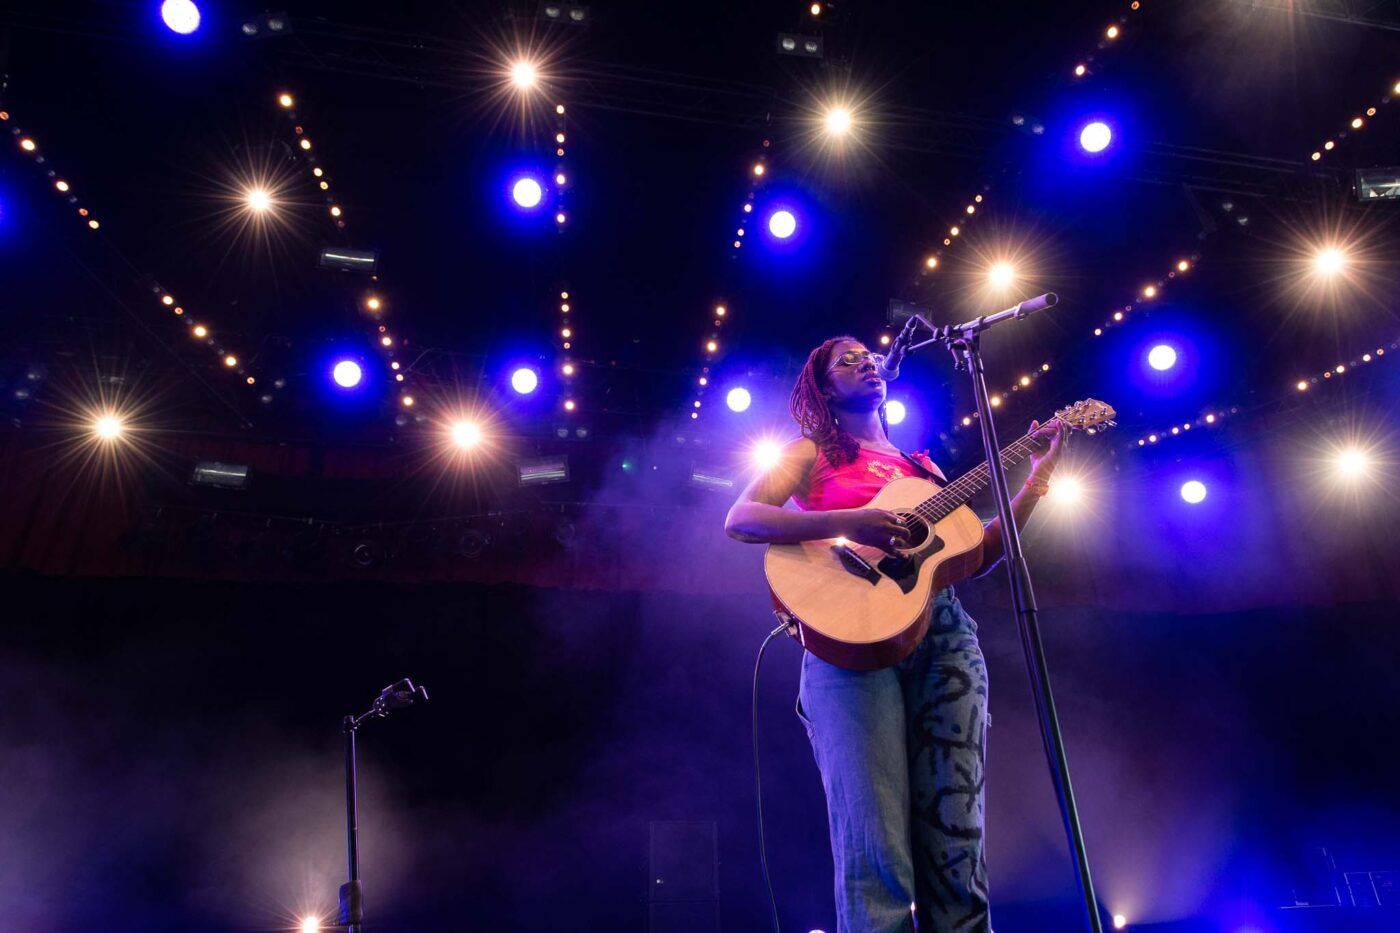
961	490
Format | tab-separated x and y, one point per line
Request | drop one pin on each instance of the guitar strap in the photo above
932	476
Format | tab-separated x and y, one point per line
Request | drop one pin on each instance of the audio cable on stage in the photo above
758	778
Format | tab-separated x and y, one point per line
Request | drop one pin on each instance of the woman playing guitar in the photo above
900	749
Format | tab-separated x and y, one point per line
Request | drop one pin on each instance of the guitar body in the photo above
856	606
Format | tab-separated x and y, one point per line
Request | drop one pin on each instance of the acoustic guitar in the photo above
863	608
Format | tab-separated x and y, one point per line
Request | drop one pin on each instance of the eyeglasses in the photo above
852	358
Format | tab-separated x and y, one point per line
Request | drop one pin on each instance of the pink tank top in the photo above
855	484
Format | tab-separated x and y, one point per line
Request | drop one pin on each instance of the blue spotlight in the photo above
347	374
524	380
782	224
1193	491
527	192
180	16
894	411
1095	137
738	399
1162	357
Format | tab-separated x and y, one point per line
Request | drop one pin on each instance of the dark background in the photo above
177	658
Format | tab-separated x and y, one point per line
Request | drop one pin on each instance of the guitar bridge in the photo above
855	564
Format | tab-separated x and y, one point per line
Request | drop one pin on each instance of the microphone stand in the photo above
395	696
963	340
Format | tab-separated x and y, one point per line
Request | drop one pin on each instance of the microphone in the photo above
887	366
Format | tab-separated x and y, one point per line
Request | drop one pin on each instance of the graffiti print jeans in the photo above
901	753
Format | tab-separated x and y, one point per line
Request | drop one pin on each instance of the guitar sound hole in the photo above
918	530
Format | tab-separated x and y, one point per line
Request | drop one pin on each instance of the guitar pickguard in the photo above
904	570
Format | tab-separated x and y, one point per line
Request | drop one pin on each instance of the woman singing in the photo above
901	749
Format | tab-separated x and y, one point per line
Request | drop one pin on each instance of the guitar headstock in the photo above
1089	415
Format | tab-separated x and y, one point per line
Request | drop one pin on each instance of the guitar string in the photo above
964	487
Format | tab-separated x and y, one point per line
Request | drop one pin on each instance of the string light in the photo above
64	188
1355	124
374	303
932	259
1217	415
1108	37
1148	292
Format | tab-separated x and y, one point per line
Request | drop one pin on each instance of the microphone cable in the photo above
758	779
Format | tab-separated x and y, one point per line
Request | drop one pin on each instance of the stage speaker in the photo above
683	878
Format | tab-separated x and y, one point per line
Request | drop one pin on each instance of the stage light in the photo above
884	340
373	303
310	925
61	185
766	454
931	262
1002	275
180	16
27	144
543	471
1302	385
350	260
107	427
568	369
407	401
466	434
221	475
259	200
347	374
1161	357
569	405
1065	490
738	399
1329	262
527	193
230	361
523	75
758	169
1119	922
524	380
1079	71
1352	463
894	411
838	121
200	330
285	100
1149	291
1193	491
1095	137
559	178
560	217
782	224
1112	32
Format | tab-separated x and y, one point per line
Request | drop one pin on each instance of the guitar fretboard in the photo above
961	490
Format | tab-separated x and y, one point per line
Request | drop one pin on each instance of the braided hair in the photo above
812	412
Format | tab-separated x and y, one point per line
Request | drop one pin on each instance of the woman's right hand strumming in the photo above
875	527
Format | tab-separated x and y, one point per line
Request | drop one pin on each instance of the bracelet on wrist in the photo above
1036	487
